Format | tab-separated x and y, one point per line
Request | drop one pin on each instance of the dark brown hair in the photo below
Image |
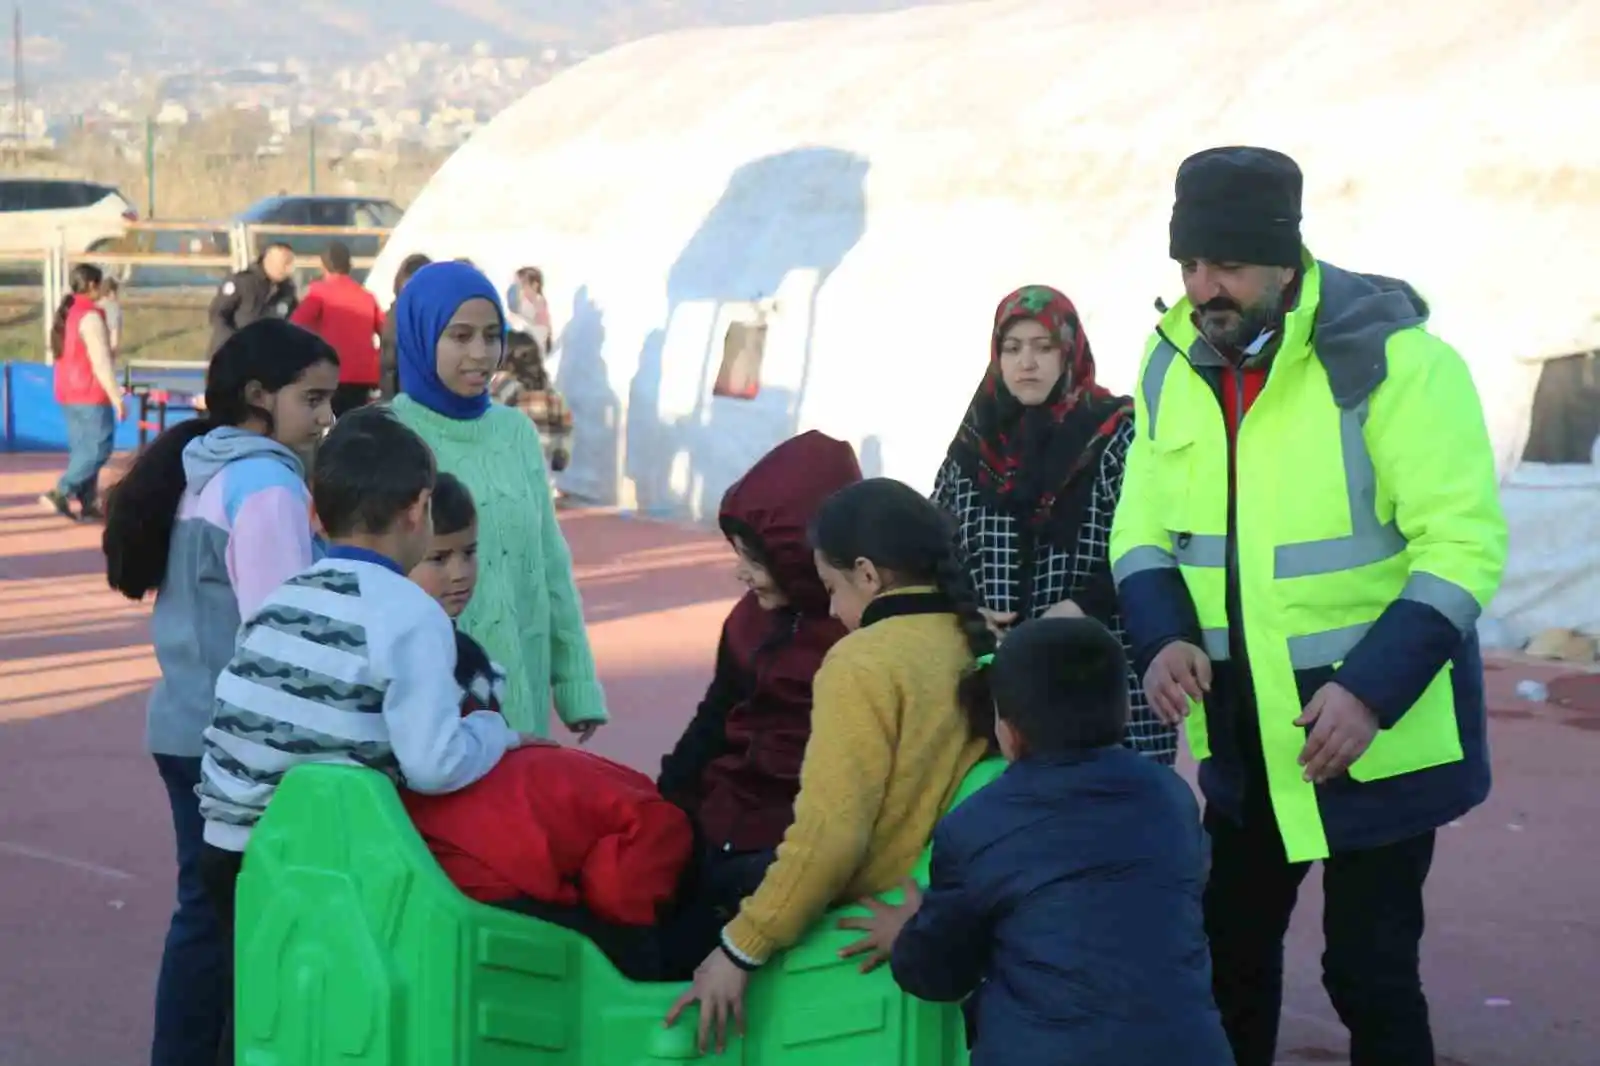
85	278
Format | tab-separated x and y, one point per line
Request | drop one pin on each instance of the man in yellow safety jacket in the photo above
1309	529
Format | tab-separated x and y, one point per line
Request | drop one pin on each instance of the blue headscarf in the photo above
425	307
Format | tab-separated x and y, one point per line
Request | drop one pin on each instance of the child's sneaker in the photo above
91	512
59	504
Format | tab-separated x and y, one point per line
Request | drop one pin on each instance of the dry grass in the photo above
165	324
208	170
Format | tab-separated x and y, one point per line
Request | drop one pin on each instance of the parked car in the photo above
37	212
360	211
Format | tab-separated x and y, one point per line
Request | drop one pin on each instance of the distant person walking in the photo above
110	303
388	380
86	388
527	302
264	290
523	383
342	312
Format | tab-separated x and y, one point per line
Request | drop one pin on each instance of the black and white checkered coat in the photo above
991	542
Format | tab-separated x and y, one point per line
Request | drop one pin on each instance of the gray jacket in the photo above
243	527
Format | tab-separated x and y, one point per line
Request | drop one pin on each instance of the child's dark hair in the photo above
453	509
141	508
369	469
744	539
83	279
1063	684
912	540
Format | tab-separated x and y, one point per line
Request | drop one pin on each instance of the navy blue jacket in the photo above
1065	898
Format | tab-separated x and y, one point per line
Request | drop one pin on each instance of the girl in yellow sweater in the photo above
900	714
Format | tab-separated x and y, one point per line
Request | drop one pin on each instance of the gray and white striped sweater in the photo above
350	663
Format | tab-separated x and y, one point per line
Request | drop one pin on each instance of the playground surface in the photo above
1511	957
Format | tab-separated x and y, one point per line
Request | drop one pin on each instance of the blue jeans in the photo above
90	427
193	987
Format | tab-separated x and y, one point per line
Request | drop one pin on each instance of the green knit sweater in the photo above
525	612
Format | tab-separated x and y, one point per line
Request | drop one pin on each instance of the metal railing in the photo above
213	246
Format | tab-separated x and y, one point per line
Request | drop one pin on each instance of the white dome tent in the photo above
863	189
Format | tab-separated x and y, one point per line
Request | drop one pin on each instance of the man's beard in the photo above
1248	324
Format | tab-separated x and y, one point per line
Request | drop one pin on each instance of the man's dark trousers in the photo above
1372	927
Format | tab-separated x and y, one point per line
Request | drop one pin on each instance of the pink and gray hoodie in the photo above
243	528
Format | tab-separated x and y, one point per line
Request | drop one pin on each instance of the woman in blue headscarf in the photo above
449	339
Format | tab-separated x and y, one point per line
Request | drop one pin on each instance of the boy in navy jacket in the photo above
1064	898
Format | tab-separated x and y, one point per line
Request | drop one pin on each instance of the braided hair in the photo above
912	540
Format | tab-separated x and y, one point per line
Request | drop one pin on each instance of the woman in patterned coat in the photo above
1032	479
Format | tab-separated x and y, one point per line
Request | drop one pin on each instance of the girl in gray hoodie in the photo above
212	517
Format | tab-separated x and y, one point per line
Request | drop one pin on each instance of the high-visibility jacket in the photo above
1351	533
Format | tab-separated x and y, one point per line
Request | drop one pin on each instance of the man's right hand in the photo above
1179	673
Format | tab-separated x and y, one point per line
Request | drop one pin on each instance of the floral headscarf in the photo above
1037	463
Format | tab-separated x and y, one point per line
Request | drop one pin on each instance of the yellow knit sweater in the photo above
889	746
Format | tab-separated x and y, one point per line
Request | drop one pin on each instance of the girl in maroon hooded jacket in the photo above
736	769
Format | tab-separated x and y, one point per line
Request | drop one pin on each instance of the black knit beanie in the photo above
1238	205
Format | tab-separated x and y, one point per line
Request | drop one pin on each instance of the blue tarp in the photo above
32	419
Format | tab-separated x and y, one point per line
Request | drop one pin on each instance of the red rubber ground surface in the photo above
1512	956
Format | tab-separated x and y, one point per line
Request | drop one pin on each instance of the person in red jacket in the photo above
736	769
555	832
342	312
86	389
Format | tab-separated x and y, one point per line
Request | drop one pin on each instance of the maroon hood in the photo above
747	793
773	503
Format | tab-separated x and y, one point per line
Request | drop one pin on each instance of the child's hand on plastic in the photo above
882	927
719	987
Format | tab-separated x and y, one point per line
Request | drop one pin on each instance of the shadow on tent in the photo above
801	210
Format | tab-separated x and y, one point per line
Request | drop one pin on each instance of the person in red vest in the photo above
86	388
342	312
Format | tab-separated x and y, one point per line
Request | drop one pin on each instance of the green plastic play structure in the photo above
354	949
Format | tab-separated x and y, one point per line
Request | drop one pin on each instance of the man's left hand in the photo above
718	987
1342	728
882	927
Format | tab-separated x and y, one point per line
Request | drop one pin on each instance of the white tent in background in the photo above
827	211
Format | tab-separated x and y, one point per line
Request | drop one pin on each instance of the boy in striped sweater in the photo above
348	662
